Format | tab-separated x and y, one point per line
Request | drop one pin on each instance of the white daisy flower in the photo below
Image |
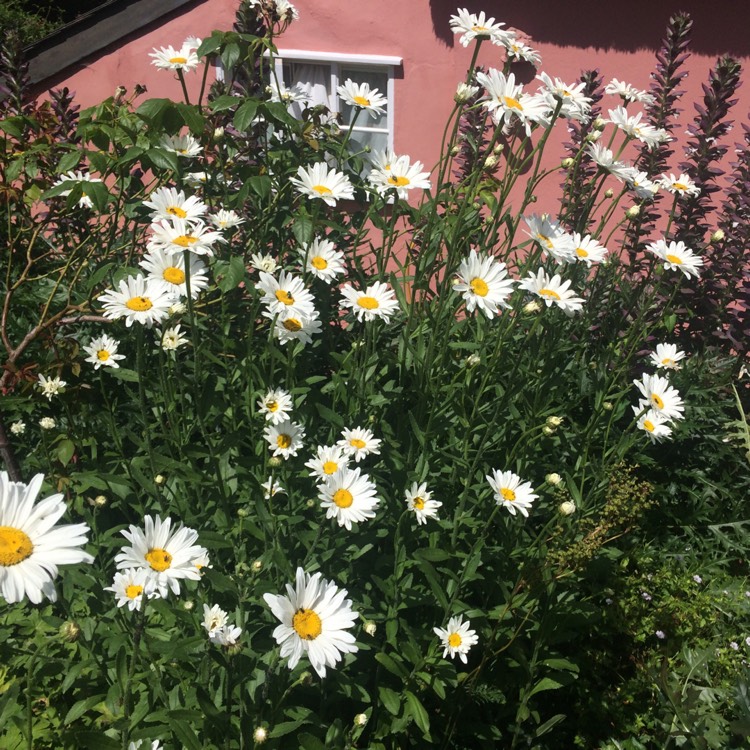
77	176
278	92
628	92
360	95
169	203
465	93
588	250
315	616
605	158
263	263
226	219
138	745
172	338
457	638
271	488
383	159
654	424
511	492
484	284
518	51
138	300
660	396
359	443
402	176
420	501
293	326
552	290
552	238
327	461
214	618
51	386
508	101
31	546
18	428
477	26
667	356
320	181
182	145
349	497
131	586
285	438
227	635
322	260
574	105
376	301
287	294
642	186
276	405
168	269
677	256
102	352
167	554
169	58
632	126
199	179
179	235
681	185
286	11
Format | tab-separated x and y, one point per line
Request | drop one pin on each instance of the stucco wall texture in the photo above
618	38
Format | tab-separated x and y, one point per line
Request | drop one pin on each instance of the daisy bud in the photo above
567	163
532	307
243	512
498	149
275	462
547	430
306	678
607	406
310	503
69	631
632	212
360	720
717	236
188	605
568	508
491	161
464	92
456	150
533	199
553	479
260	735
473	360
370	627
609	193
593	137
554	421
218	134
160	479
256	566
598	124
100	501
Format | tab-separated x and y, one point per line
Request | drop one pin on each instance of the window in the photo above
321	73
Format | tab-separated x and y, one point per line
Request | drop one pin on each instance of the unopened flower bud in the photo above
491	161
717	236
473	360
160	479
632	212
360	720
553	479
547	430
607	406
243	512
456	150
608	193
70	631
218	133
310	503
370	627
567	163
593	137
464	92
533	199
498	149
188	605
554	421
100	501
275	462
532	307
568	508
256	566
260	735
306	678
598	124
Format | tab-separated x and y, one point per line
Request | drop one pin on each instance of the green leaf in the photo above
244	115
390	699
122	373
546	683
392	665
65	450
309	742
432	554
417	710
79	708
192	117
69	161
184	732
224	102
303	229
154	109
162	159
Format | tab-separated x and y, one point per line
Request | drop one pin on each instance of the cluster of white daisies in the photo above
660	404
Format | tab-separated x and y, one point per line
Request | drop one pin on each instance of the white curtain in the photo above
315	80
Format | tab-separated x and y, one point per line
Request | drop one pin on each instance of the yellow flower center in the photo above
512	103
185	240
657	401
133	591
673	259
454	640
177	211
361	101
272	405
418	503
369	303
307	624
679	186
15	546
546	241
551	293
159	559
343	498
398	181
508	494
319	263
479	287
139	304
649	425
667	361
357	443
478	29
178	60
322	190
581	253
292	324
174	275
284	297
330	467
102	355
284	441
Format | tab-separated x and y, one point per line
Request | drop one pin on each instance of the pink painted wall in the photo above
620	40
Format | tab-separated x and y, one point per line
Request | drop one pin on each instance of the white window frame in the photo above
337	60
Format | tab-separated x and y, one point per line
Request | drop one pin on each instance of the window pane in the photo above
360	139
377	80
